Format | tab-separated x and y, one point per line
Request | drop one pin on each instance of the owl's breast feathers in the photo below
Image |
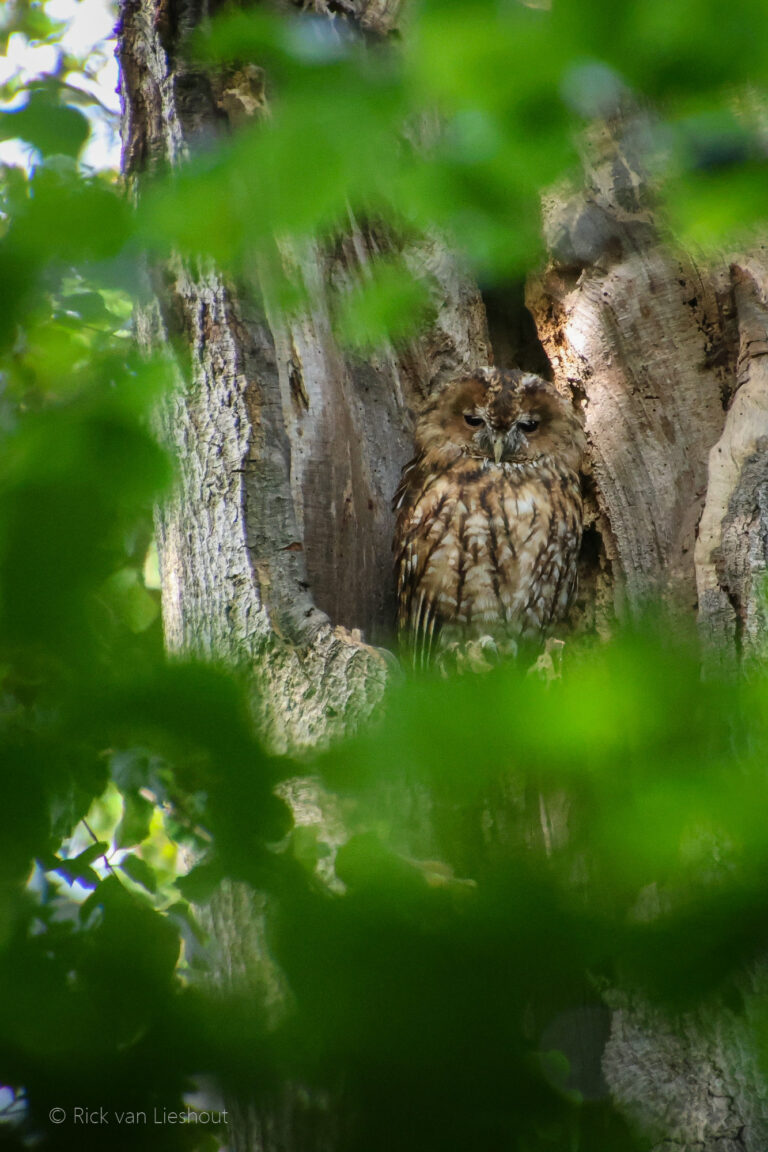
484	548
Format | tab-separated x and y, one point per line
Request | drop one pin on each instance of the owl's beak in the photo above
498	447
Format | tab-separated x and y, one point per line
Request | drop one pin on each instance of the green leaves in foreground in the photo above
653	780
521	847
509	849
460	127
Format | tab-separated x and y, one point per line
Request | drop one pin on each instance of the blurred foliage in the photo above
461	124
443	984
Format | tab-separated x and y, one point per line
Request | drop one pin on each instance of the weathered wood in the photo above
275	546
275	549
732	545
691	1083
668	357
646	339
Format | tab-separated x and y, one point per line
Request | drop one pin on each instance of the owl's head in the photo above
507	417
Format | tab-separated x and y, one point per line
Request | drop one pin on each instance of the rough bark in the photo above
667	352
732	544
668	355
275	548
695	1083
647	338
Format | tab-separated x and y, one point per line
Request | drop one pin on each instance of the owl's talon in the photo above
479	655
448	660
482	654
488	646
549	665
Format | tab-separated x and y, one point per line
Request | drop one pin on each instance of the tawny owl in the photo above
489	515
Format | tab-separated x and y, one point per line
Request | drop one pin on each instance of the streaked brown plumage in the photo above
489	515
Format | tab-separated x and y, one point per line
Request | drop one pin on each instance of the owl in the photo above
489	516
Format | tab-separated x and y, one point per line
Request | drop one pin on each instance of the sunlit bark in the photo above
275	547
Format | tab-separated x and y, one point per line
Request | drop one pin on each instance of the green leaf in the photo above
78	867
139	871
200	883
135	822
89	306
182	914
50	127
390	304
130	600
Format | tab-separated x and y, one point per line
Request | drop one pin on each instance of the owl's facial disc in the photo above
529	423
510	443
481	438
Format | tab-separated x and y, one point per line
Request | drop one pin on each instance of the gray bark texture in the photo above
696	1085
667	353
275	551
668	356
275	546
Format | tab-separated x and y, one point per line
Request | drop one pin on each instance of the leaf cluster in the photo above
457	129
442	985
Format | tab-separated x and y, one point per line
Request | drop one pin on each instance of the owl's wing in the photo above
418	621
568	507
408	482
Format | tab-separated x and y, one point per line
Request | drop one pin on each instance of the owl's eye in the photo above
529	424
473	421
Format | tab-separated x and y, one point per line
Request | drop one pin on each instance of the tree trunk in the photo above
667	353
275	547
668	356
